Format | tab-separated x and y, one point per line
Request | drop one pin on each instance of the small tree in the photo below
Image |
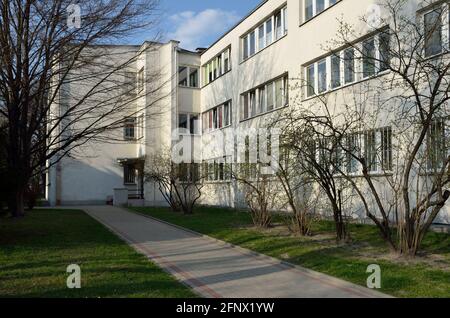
298	192
180	184
260	192
313	151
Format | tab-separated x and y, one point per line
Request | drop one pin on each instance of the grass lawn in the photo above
36	250
426	276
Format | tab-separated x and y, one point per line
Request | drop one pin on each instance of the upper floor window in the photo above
265	98
341	68
189	122
314	7
140	80
133	128
433	32
217	66
217	117
188	76
269	31
130	129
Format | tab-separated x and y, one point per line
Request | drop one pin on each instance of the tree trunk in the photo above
18	208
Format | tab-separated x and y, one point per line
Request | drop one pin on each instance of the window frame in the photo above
268	39
191	130
209	67
130	126
314	13
441	29
219	117
269	91
357	62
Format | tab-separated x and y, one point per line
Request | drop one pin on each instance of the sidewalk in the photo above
216	269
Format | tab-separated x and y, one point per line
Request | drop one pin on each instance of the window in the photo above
310	81
215	119
183	121
253	103
262	36
227	113
436	146
262	100
130	129
386	148
285	21
368	56
349	65
129	174
278	25
194	124
217	66
218	169
320	6
189	122
245	102
327	74
183	76
335	71
269	33
226	61
220	117
322	72
252	44
433	32
193	77
385	57
140	80
279	93
309	10
370	150
314	7
245	41
269	90
352	152
265	98
188	172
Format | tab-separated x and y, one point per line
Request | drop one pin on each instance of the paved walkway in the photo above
216	269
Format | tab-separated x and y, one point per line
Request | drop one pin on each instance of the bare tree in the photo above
259	190
180	184
297	187
45	47
403	179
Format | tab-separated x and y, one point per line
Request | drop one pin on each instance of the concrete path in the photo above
216	269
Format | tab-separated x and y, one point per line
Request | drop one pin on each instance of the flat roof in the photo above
263	2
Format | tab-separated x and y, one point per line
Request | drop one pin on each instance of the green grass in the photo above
36	250
427	276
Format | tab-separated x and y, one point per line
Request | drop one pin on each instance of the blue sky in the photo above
198	23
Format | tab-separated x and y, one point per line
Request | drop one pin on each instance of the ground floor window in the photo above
219	169
436	145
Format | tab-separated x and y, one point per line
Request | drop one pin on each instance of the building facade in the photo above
253	71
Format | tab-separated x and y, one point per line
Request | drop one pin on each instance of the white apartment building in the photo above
246	76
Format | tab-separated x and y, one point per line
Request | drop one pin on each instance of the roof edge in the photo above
236	25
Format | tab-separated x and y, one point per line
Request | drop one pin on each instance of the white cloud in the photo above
195	29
